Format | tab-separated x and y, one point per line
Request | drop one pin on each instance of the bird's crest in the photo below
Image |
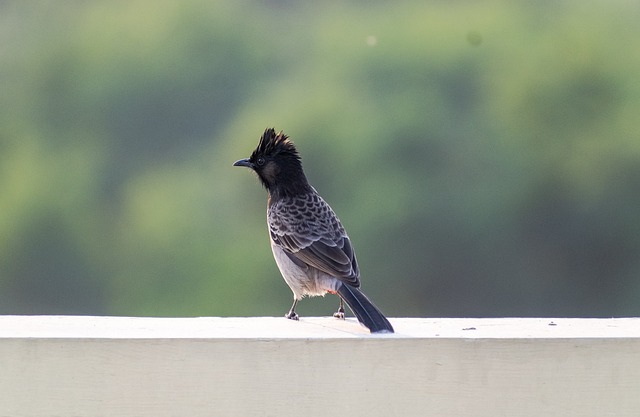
272	144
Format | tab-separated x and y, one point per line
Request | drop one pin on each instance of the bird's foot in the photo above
339	314
292	315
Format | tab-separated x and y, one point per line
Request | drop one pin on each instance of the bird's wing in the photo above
309	232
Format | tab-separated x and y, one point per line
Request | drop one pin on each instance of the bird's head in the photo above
277	163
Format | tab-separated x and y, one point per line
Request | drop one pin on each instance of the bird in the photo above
310	246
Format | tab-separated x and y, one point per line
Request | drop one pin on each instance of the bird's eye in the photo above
260	161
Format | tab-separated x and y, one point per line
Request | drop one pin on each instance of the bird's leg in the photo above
340	313
292	311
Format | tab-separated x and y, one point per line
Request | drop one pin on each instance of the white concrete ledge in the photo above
120	366
92	327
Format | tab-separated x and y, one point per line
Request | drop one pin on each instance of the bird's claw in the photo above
292	315
339	314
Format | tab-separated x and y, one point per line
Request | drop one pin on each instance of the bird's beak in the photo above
243	163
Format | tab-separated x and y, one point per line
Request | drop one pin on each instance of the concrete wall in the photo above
118	366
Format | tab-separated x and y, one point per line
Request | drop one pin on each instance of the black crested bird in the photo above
310	246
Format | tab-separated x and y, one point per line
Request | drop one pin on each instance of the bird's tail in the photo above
367	313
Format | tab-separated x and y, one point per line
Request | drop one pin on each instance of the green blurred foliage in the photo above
484	156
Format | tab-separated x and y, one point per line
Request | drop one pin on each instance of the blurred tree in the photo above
483	156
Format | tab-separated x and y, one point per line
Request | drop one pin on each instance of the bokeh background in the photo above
484	156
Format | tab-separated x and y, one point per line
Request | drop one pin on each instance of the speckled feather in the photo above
307	229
